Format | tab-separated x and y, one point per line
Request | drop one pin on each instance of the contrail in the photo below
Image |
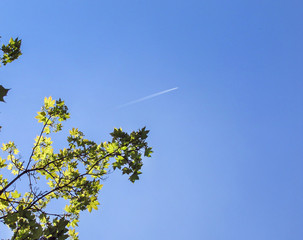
148	97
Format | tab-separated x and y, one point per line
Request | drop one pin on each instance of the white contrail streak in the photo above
148	97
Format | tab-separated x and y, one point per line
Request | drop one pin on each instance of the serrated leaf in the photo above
3	93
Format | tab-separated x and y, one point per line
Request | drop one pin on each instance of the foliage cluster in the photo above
73	173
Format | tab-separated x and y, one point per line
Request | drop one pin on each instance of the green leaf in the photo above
11	51
15	194
3	93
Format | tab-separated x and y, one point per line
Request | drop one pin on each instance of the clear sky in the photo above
228	161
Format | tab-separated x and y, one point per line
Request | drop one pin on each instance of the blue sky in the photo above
228	158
